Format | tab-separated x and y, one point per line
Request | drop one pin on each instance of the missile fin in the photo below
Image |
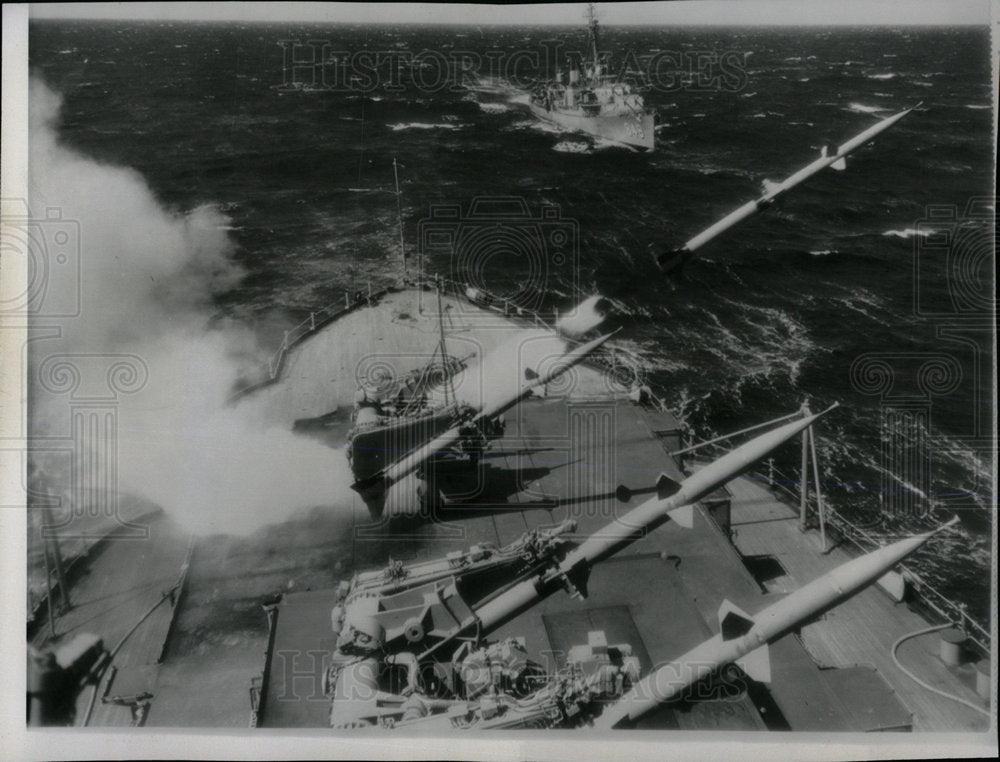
823	153
623	494
665	487
669	261
770	186
840	164
734	622
683	516
757	664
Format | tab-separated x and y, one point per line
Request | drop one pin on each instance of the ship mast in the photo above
399	215
446	376
592	22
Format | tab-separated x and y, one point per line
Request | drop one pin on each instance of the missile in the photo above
411	462
743	640
671	260
673	500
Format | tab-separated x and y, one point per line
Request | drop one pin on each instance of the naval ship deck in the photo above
563	457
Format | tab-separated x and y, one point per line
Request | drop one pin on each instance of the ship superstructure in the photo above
590	99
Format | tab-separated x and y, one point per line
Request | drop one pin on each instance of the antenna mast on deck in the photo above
592	23
399	215
445	374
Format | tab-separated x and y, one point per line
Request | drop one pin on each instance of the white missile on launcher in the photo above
743	640
671	260
407	465
674	500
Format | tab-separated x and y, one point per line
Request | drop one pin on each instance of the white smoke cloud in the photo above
147	279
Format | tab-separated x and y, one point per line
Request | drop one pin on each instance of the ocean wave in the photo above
857	303
601	144
977	106
494	108
423	126
572	146
881	76
861	108
547	127
748	95
909	232
922	84
770	343
823	252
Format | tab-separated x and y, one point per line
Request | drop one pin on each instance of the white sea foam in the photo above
494	108
424	126
909	232
861	108
571	146
881	76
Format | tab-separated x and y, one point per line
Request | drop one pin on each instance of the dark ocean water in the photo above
769	316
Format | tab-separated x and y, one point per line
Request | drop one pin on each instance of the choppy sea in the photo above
885	268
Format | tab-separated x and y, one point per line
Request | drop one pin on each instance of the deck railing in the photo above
608	358
936	602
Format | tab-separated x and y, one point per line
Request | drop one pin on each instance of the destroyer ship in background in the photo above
594	101
548	544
